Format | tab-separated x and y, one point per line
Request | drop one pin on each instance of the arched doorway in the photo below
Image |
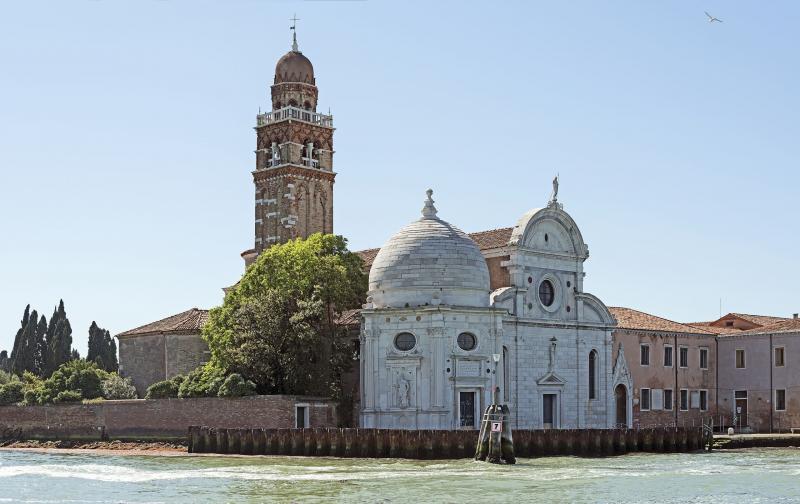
621	396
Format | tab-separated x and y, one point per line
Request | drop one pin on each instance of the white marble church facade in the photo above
435	340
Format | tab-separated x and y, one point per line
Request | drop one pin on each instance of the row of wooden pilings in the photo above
437	444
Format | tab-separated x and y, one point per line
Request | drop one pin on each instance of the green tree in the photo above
5	362
58	341
18	338
26	355
102	348
278	327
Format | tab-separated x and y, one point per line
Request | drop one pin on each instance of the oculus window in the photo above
405	341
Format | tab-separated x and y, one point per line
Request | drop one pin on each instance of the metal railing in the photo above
294	113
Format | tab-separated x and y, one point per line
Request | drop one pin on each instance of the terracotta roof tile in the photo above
350	317
628	318
486	240
782	326
188	321
715	329
761	320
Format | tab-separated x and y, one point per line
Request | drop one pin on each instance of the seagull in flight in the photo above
711	18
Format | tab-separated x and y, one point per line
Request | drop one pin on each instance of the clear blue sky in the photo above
126	142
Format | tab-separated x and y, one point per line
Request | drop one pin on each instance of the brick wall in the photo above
159	418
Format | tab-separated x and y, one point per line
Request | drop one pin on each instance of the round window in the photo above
405	341
467	341
547	292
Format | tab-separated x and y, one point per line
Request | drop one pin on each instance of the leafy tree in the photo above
68	396
278	327
236	386
204	381
117	387
11	393
165	389
102	348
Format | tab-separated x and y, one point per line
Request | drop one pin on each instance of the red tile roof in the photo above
706	326
486	240
782	326
761	320
628	318
190	321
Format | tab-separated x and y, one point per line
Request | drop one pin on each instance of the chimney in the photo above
796	316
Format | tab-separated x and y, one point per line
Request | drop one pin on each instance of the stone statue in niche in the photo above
403	392
276	154
553	343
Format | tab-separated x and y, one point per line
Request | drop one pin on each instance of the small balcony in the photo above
294	113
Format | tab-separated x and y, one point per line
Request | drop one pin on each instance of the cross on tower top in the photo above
294	19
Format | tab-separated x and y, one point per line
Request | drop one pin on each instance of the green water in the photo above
767	475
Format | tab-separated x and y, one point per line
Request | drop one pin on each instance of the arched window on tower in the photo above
593	374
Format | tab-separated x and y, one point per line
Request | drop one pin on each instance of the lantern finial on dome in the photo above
429	211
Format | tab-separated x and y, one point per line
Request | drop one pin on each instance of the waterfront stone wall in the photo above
161	419
438	444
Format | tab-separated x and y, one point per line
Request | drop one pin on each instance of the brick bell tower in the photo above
294	159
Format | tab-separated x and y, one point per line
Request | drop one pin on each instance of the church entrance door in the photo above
466	409
549	411
621	395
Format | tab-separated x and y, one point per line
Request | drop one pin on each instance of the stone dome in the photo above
429	262
294	67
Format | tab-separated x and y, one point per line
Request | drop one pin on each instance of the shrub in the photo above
79	375
117	387
164	389
236	386
204	381
7	377
68	396
12	393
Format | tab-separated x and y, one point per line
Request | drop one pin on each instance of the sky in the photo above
126	142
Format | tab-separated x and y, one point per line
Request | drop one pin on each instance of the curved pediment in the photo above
549	230
595	310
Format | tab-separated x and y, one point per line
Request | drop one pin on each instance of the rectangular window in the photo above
694	397
667	399
780	400
683	357
779	357
645	399
739	359
684	400
667	355
656	399
644	351
704	358
704	400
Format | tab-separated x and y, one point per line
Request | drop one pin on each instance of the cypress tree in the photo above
26	352
5	364
18	337
102	348
57	341
40	355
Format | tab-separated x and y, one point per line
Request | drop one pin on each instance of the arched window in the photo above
593	374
